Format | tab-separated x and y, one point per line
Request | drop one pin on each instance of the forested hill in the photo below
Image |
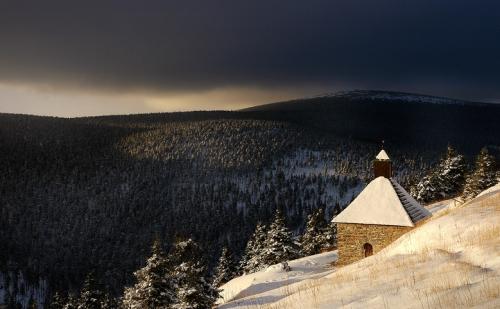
402	117
86	194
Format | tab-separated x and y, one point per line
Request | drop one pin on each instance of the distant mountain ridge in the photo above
371	95
399	117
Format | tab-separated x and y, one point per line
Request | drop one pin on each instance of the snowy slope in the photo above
452	261
391	96
245	290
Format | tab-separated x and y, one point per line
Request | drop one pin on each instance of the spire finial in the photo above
382	145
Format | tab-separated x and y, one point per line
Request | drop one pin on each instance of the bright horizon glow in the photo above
44	101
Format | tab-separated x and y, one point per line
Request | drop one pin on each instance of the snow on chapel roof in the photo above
382	155
383	202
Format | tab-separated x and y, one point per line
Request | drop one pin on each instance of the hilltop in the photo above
451	261
395	116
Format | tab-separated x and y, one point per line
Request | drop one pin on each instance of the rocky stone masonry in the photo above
351	238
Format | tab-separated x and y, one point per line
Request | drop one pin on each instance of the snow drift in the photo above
452	261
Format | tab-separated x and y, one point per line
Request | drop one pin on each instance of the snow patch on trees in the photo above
444	181
483	176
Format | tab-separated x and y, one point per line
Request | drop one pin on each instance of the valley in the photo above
91	194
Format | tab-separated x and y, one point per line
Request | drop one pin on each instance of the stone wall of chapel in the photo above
351	238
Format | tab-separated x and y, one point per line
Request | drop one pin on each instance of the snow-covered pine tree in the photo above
155	287
482	177
279	245
329	236
57	301
90	295
225	269
71	302
109	302
426	189
452	173
251	258
312	240
193	290
445	180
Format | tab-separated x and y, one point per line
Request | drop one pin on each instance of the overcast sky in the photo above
93	57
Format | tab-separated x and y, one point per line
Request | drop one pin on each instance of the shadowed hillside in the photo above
399	117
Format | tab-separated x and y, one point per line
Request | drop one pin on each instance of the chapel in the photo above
380	214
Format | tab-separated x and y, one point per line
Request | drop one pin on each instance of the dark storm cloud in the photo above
195	45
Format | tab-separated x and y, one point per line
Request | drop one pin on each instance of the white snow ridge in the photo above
450	261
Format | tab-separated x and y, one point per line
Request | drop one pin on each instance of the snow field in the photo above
451	261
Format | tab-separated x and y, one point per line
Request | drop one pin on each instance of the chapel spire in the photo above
382	165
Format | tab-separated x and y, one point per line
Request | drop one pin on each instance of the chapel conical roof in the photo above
383	202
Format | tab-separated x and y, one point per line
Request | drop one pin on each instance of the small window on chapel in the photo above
368	249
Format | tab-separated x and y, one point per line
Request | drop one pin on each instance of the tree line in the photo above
451	177
179	279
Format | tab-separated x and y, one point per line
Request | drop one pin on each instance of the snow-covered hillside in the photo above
391	96
245	290
452	261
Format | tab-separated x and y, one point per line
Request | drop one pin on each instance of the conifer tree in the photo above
452	173
225	269
426	189
279	245
329	236
109	302
155	287
483	176
445	180
90	295
312	241
71	302
57	301
193	290
252	256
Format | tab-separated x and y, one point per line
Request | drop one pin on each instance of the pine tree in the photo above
483	176
109	302
426	189
445	180
312	241
329	236
57	301
225	269
452	173
90	295
71	302
193	290
279	245
252	256
155	287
